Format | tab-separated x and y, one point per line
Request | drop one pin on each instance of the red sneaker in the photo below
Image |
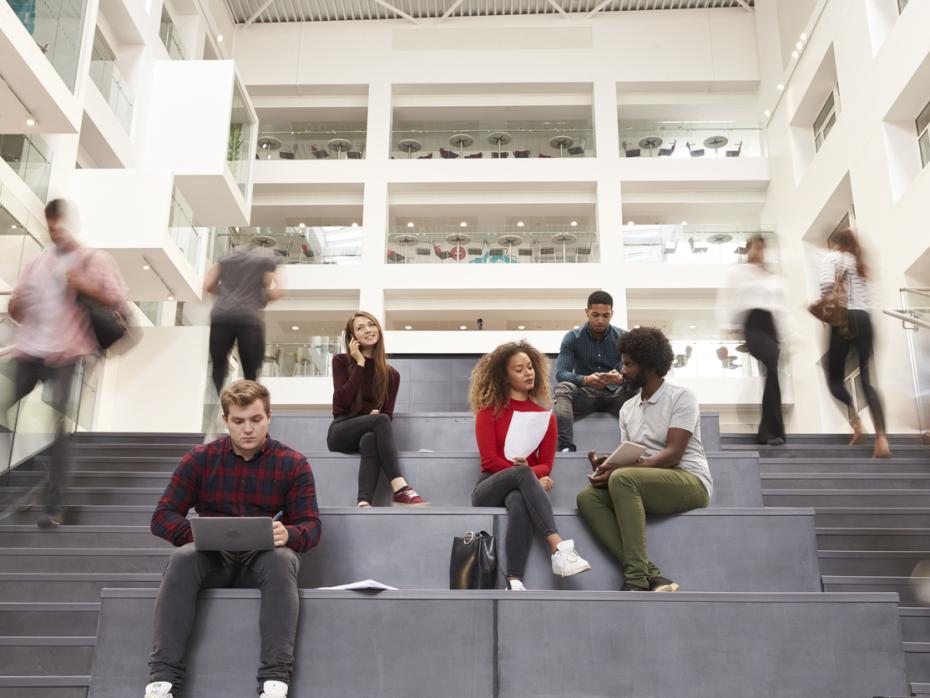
408	497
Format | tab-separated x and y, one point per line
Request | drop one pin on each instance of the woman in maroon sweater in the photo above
364	392
515	378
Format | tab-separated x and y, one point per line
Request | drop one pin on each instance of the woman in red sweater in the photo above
515	378
364	392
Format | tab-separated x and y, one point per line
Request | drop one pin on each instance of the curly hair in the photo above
490	386
649	348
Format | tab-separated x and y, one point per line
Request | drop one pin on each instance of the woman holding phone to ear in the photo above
514	378
364	392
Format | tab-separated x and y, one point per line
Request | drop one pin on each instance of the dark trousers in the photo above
250	336
573	402
372	436
860	339
528	507
29	373
189	571
762	342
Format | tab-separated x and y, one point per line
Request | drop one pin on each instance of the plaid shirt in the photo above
215	481
581	355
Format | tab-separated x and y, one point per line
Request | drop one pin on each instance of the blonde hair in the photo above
490	386
243	393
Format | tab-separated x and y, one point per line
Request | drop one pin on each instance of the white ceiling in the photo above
243	11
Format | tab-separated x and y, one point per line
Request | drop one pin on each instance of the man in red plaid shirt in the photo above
245	473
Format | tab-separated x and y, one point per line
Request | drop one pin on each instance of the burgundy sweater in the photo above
346	387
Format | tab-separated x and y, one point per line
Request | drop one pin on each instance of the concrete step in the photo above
139	496
915	624
88	515
44	686
873	517
445	479
865	498
843	465
95	463
870	563
846	481
749	552
806	644
803	439
75	536
909	451
111	437
854	585
68	587
917	656
164	450
920	690
43	619
866	538
46	656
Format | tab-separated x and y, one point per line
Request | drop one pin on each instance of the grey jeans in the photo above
528	507
189	571
573	402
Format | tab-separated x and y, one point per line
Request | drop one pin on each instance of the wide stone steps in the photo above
46	656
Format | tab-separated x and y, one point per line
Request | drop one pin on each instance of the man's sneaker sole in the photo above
671	586
402	504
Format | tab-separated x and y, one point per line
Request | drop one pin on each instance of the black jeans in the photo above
762	342
189	571
573	402
860	338
29	372
250	337
528	507
372	436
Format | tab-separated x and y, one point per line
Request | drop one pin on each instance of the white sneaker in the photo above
158	689
566	562
515	585
274	689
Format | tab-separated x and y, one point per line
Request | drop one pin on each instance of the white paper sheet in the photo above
526	431
364	585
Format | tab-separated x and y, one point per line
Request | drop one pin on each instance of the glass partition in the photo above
57	27
712	358
329	244
106	76
319	141
691	244
916	303
492	138
169	35
311	358
241	131
182	230
690	139
29	158
453	244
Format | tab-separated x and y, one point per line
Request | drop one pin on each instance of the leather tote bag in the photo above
473	564
831	307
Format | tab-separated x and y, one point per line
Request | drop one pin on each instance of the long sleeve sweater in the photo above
491	434
345	386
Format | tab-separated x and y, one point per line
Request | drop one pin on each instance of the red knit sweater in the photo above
491	433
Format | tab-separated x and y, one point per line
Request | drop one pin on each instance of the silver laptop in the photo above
234	533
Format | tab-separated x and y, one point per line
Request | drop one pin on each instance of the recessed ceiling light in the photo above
520	224
795	54
629	222
295	327
692	327
767	113
354	224
684	223
574	224
779	87
803	36
301	225
146	267
30	121
635	327
219	38
14	226
268	157
463	224
463	327
521	327
408	327
170	296
410	224
799	46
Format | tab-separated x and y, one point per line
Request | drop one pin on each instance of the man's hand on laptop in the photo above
280	534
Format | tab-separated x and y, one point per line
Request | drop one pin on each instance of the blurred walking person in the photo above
844	272
54	331
752	304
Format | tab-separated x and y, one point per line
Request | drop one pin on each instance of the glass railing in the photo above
241	133
182	230
331	244
28	156
115	91
712	358
560	244
916	303
691	244
493	139
690	139
305	142
311	358
57	26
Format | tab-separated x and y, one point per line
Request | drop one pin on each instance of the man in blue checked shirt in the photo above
588	370
245	473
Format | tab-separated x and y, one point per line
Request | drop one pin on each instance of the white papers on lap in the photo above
364	585
525	433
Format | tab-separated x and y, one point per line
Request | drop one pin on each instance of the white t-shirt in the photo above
48	299
647	422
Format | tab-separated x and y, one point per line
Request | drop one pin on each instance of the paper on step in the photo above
526	432
363	585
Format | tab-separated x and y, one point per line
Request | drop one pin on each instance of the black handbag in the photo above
473	564
108	324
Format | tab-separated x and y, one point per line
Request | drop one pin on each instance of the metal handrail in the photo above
903	316
918	291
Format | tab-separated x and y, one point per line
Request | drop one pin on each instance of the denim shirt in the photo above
581	355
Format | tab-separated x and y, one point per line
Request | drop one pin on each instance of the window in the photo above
923	135
169	35
825	120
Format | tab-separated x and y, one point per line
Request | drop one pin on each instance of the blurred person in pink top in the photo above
53	331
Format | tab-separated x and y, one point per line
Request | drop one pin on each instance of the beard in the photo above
633	384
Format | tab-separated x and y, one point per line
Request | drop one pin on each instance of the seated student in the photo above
588	370
671	477
365	389
246	473
515	378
